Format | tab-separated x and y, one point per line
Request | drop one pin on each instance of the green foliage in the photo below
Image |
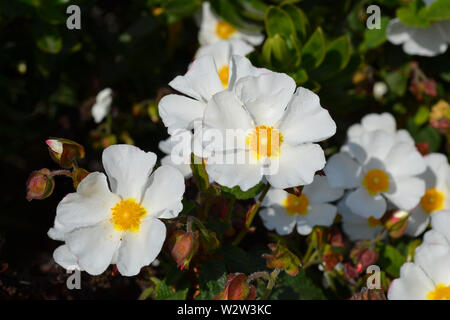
390	259
237	193
300	287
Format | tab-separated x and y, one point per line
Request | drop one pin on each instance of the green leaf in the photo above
300	287
375	37
430	135
439	10
390	260
178	9
213	276
253	9
281	54
299	20
336	59
49	43
199	173
228	11
237	193
166	292
397	81
300	76
421	115
278	22
415	14
314	50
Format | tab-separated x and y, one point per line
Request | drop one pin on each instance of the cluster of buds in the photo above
64	152
363	254
283	259
421	84
369	294
237	287
333	253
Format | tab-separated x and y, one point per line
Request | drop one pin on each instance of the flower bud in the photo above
237	288
78	175
396	223
184	245
64	151
40	185
379	90
282	258
369	294
331	259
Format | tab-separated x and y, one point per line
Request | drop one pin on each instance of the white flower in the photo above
276	130
440	232
213	29
379	90
199	85
223	50
377	166
357	227
437	194
102	105
430	41
373	121
428	278
119	226
284	211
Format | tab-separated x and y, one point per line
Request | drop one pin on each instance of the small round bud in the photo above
40	185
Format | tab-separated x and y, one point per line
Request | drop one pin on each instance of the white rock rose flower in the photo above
213	29
378	167
120	224
427	278
357	227
440	232
179	143
276	127
284	211
102	105
437	194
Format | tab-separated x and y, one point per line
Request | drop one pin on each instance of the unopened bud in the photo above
237	288
396	223
64	151
40	185
78	175
184	245
282	258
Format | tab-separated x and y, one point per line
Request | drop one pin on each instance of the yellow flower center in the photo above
265	141
376	181
224	30
296	205
441	292
127	215
374	222
433	200
224	74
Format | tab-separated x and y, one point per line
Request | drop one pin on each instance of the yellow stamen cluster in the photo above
127	215
376	181
224	75
265	141
441	292
296	205
433	200
224	30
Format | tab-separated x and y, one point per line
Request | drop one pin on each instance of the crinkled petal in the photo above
276	218
413	284
404	160
434	259
406	192
397	32
65	258
417	222
319	191
440	222
342	171
366	205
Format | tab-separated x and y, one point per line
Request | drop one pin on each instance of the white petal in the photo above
434	237
185	169
162	198
65	258
265	96
207	34
404	136
296	165
434	259
384	121
404	160
320	214
94	246
180	112
427	42
319	191
371	145
91	204
444	27
406	192
274	197
413	284
276	218
342	171
253	38
417	222
245	175
305	120
139	249
242	67
397	32
128	169
437	172
365	205
201	81
440	222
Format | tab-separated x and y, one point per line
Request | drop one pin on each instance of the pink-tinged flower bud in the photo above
40	185
64	151
396	223
350	272
363	254
237	288
282	258
183	245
